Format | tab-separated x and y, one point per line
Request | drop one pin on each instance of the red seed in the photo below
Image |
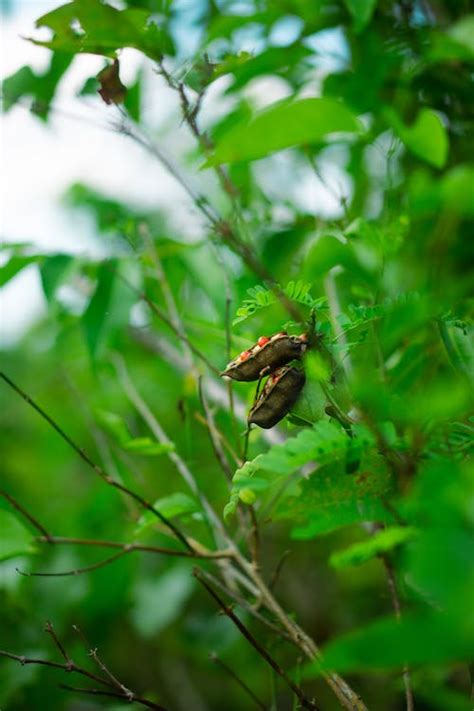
244	355
262	340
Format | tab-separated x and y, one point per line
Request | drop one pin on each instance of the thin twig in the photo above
214	435
29	517
305	703
113	695
392	586
225	442
278	569
51	631
218	662
95	467
171	306
74	571
251	609
93	653
55	665
198	552
254	538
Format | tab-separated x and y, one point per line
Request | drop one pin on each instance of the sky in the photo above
80	144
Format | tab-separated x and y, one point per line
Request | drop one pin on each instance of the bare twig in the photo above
173	312
93	653
111	683
74	571
305	703
251	609
278	569
224	441
254	538
214	435
113	695
218	662
199	551
392	586
26	514
51	631
95	467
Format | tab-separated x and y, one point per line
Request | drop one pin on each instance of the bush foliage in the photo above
340	542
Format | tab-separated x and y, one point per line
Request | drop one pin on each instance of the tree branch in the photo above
305	703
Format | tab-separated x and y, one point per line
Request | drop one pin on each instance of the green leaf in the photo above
361	11
116	426
260	297
102	29
52	271
381	542
15	539
42	87
324	442
429	638
95	316
426	138
21	83
170	506
244	481
16	264
310	405
463	32
283	125
133	98
148	447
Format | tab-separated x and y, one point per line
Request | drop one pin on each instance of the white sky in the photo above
40	161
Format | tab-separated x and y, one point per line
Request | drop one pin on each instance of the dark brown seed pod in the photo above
267	353
280	393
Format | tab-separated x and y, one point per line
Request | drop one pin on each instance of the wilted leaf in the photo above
111	89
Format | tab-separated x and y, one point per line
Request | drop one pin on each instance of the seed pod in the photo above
267	353
280	393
